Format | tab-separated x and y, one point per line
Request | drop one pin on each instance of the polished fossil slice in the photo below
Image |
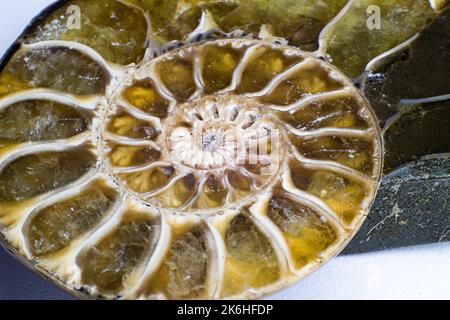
214	166
196	172
204	179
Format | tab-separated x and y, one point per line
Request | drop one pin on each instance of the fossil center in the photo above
216	133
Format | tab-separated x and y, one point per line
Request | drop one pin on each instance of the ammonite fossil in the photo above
208	149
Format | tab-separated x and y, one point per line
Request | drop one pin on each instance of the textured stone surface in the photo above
419	131
412	207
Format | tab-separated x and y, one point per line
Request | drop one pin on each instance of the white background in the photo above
413	273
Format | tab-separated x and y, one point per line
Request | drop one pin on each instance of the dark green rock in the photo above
418	131
412	208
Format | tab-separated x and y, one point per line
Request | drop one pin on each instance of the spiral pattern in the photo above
222	169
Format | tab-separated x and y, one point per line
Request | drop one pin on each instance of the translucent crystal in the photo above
355	153
178	76
305	231
421	131
110	261
187	265
355	40
60	69
263	67
115	30
251	261
36	174
219	64
310	80
184	271
298	21
11	83
343	194
212	195
144	96
148	180
162	14
129	156
35	120
335	113
56	226
238	181
126	125
241	184
179	193
307	34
